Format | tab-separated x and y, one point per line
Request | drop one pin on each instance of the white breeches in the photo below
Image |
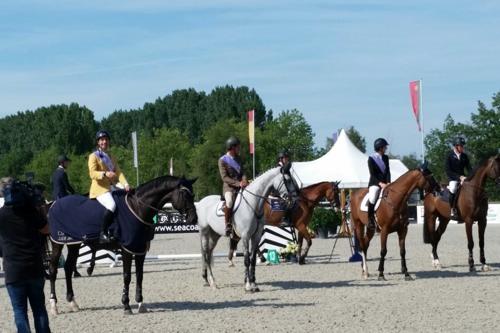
107	201
229	199
373	193
453	186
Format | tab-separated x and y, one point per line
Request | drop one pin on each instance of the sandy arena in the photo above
320	296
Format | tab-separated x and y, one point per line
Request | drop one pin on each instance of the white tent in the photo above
345	163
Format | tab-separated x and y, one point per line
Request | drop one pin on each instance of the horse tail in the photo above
426	226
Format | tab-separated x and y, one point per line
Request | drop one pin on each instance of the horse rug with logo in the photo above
75	219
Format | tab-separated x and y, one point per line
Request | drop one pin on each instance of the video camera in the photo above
23	193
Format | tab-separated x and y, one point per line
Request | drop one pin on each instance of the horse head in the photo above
427	183
333	195
494	168
182	199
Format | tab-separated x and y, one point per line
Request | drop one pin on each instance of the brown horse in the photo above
472	205
391	215
309	198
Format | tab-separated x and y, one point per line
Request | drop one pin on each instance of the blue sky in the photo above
340	63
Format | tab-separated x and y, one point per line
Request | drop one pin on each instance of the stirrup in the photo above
104	238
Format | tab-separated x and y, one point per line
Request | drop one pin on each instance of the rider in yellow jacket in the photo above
105	174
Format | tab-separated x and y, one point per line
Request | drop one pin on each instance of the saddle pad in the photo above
219	210
76	219
364	202
277	205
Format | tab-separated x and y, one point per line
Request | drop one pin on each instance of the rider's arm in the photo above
225	177
68	187
467	165
449	172
388	166
94	172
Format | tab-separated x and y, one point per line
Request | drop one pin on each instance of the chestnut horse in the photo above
391	215
472	205
309	198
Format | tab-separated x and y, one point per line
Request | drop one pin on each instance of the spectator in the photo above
21	229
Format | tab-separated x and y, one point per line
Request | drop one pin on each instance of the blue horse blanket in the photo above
76	219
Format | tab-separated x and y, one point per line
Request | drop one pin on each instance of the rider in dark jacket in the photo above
380	176
60	182
456	164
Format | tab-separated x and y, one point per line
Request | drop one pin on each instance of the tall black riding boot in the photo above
286	221
453	212
371	215
104	236
227	219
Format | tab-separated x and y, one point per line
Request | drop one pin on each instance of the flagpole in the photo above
422	118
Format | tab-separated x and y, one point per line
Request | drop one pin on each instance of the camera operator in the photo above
21	229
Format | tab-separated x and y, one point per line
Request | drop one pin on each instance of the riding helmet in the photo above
458	141
284	153
102	134
63	158
380	143
232	142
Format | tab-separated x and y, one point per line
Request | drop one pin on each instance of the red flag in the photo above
415	100
251	130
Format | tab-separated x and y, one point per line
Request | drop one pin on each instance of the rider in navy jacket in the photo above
60	182
380	176
456	164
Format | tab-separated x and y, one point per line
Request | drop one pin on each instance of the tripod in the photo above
346	222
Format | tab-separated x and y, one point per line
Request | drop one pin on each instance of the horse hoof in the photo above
381	278
142	308
472	269
364	276
53	308
74	306
128	312
90	271
255	289
408	278
231	263
206	284
485	268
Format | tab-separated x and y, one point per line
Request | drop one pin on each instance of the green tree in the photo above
356	138
289	131
205	156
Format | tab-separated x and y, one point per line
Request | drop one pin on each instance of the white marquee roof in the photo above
344	162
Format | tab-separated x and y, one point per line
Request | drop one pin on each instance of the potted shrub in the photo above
289	253
324	219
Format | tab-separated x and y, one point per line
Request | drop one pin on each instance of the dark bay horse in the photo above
391	215
472	205
309	198
143	203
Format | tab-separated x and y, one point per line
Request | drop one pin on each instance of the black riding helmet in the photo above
283	153
102	134
458	141
232	142
63	158
380	143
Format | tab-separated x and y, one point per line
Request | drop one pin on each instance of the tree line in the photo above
190	127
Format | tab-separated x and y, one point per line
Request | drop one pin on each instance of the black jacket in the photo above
456	167
61	186
376	175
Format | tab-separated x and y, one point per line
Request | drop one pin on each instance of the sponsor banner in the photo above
492	217
171	222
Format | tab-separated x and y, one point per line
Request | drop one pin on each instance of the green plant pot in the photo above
322	232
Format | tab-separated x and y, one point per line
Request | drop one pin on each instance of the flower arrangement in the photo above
290	250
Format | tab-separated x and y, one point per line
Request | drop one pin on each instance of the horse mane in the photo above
480	165
156	182
308	187
262	174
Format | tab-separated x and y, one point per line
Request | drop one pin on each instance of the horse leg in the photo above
139	274
443	223
402	251
53	266
303	233
383	252
470	244
90	269
255	240
233	244
481	224
246	255
204	256
68	270
213	238
364	242
127	271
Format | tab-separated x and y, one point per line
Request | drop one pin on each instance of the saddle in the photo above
219	210
444	195
364	202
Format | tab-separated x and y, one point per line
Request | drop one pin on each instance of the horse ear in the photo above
337	183
424	166
192	181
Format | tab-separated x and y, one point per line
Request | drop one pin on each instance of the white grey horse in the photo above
247	222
